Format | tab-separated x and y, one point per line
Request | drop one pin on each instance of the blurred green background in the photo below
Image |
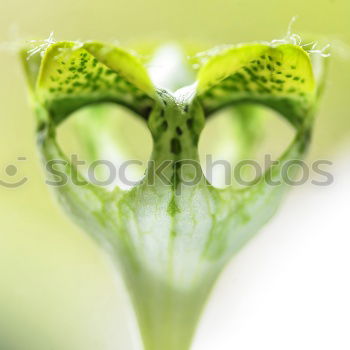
57	290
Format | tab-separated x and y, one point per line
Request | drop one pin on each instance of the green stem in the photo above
167	317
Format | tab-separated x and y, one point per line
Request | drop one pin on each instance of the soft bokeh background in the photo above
288	289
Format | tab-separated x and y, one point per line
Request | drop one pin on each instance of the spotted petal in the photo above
279	77
73	75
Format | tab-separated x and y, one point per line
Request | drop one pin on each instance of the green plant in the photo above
170	240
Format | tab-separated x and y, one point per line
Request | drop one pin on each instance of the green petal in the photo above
72	76
280	77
